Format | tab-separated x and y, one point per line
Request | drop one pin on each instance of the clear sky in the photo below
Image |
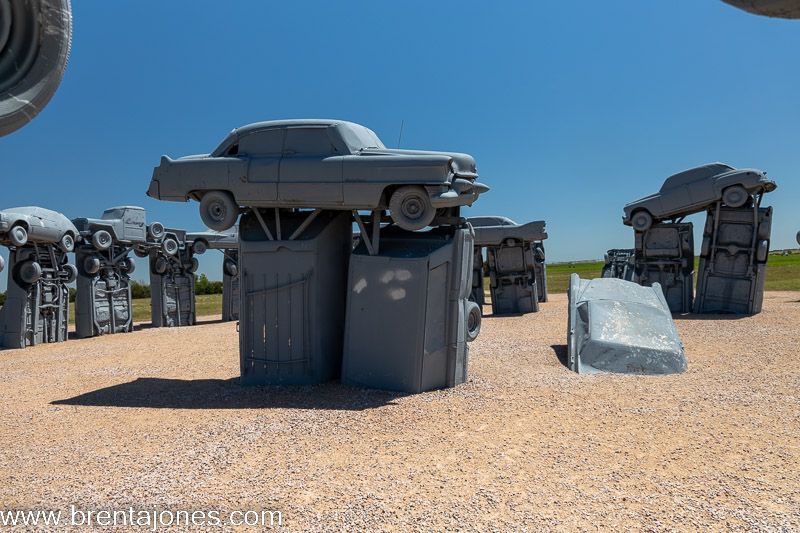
571	109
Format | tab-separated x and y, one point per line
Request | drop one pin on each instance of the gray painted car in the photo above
693	190
330	164
619	326
21	225
213	240
124	225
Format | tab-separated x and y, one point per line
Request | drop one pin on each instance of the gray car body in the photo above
126	224
619	326
695	189
351	176
215	240
43	225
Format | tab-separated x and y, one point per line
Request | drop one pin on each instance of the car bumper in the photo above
463	192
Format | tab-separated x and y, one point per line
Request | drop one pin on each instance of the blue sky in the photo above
571	109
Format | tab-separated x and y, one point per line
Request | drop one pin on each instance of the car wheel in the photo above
2	263
199	247
161	265
641	221
91	265
735	196
35	39
193	265
169	246
67	242
102	240
473	321
18	236
218	210
139	251
231	268
30	272
127	265
156	230
411	208
70	273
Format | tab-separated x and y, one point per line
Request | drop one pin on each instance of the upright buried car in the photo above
330	164
694	190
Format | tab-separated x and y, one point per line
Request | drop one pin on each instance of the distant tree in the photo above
2	298
72	292
139	290
202	285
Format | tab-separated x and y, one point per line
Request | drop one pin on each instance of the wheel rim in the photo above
413	208
20	37
217	212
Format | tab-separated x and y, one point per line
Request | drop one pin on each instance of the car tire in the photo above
140	252
473	321
18	236
91	265
411	208
30	272
102	240
127	265
735	196
70	273
34	54
161	265
68	243
641	221
193	265
231	268
199	247
156	230
2	263
169	246
218	210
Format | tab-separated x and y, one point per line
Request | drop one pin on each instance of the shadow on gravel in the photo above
561	353
159	393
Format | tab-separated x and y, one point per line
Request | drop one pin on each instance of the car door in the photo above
261	152
311	168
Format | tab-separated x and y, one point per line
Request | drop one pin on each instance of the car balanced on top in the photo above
324	164
694	190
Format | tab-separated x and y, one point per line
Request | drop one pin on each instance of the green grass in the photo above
205	305
783	273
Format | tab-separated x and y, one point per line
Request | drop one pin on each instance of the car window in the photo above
264	142
308	141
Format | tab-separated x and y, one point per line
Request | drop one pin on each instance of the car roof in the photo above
695	174
242	130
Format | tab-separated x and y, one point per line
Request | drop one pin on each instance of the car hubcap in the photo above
19	41
217	212
412	208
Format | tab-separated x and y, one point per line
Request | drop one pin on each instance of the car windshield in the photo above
358	137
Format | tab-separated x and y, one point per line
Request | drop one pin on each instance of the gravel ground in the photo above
155	419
